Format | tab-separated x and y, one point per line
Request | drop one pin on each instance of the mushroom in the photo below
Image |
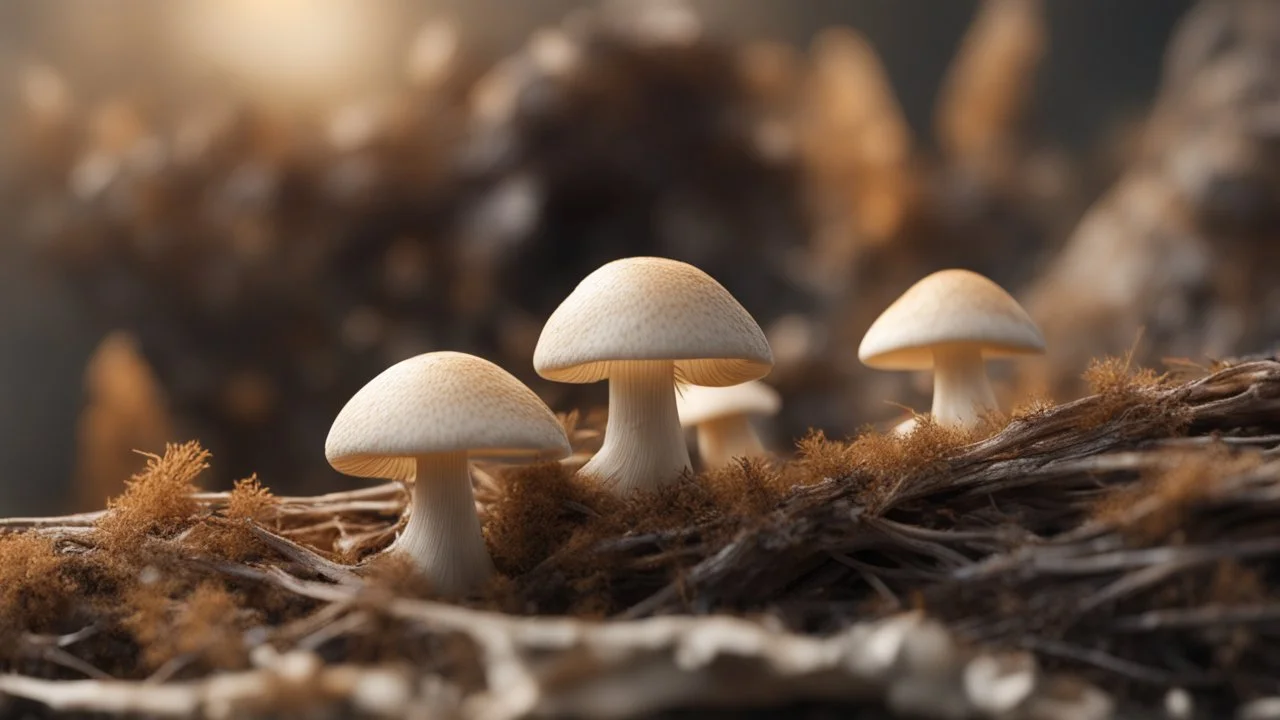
722	416
642	323
951	321
906	427
419	420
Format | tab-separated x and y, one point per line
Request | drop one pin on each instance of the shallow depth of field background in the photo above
275	204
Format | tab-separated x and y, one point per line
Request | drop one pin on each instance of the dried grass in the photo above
203	625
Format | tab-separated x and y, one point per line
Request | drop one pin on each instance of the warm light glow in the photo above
290	49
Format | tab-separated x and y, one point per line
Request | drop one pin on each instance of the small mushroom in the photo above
722	416
643	323
998	684
906	427
418	421
951	322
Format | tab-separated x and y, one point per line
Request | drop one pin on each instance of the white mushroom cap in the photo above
440	402
648	308
949	308
698	404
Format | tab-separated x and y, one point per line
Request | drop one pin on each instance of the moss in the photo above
156	501
545	513
748	487
396	575
1169	494
1031	408
35	592
539	509
205	623
1116	376
148	601
880	463
550	521
1119	389
227	535
144	577
249	500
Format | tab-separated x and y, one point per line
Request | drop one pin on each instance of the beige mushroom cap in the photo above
647	308
435	403
949	307
697	405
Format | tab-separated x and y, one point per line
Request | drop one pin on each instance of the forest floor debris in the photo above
1075	558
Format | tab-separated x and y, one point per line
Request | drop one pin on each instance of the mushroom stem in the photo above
644	446
443	537
723	439
961	391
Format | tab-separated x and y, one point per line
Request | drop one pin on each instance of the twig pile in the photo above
1087	557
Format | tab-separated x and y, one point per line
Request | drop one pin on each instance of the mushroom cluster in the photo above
678	350
268	261
643	323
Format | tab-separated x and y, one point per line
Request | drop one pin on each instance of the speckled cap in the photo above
435	403
697	405
648	308
949	307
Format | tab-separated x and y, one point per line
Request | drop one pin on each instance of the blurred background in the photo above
219	218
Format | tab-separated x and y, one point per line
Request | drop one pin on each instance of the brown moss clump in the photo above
1032	407
1114	376
250	500
880	463
1118	388
397	575
684	504
747	487
823	458
546	508
1157	507
152	593
167	580
546	514
228	535
539	508
204	625
564	538
34	592
156	501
